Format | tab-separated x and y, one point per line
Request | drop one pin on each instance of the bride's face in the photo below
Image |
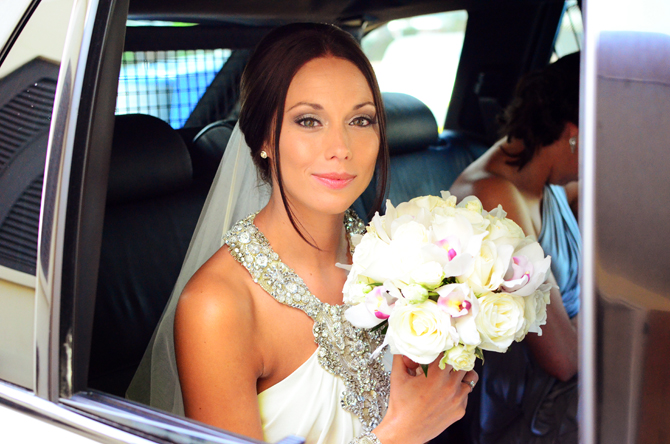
329	138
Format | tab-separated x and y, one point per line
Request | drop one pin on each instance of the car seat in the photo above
151	211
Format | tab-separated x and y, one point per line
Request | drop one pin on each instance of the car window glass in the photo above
166	84
419	56
28	79
570	32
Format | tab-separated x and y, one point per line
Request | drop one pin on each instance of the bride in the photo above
261	345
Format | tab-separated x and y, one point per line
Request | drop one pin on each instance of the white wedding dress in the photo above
340	391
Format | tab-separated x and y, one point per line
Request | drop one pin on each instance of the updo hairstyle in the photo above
544	101
265	82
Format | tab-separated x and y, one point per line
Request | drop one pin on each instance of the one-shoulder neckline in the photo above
268	270
343	350
295	373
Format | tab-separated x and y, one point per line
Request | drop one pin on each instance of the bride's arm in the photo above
217	354
556	349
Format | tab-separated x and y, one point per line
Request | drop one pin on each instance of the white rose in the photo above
352	279
490	267
502	227
471	203
415	293
407	209
378	227
420	206
449	200
536	310
374	259
460	357
409	232
420	331
429	274
430	203
357	293
500	318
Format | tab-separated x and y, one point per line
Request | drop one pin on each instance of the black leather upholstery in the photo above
411	125
149	159
421	161
151	212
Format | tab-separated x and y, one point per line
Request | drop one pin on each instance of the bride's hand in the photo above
421	407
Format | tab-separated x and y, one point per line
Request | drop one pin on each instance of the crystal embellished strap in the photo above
366	438
344	350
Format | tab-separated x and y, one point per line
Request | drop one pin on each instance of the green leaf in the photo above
380	325
425	369
480	354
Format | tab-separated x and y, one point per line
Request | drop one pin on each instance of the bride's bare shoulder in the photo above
217	298
218	352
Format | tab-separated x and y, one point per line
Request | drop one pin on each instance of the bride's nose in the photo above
338	143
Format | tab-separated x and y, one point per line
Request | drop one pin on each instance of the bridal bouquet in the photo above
445	277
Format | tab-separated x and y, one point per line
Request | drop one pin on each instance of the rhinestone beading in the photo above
344	350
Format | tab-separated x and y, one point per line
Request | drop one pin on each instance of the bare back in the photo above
520	193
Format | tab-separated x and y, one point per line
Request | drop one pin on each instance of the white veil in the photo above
236	192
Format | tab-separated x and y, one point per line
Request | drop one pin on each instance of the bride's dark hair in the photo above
266	80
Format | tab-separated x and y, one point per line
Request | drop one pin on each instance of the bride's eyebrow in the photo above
316	106
312	105
361	105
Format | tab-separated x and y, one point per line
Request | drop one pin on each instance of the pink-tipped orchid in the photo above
454	300
527	270
459	302
521	271
376	308
451	244
455	244
377	302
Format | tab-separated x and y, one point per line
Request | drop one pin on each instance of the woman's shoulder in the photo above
493	190
218	293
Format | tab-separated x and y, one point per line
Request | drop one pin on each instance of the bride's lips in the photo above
335	181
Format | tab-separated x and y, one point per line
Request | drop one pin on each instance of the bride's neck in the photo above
325	231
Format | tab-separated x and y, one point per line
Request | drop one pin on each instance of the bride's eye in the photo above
362	121
307	121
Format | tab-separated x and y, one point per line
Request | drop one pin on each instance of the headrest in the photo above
149	159
410	125
208	147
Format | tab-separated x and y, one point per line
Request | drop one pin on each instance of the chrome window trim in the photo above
64	417
587	320
59	158
152	423
12	22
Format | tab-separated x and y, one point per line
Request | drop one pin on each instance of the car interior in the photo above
164	157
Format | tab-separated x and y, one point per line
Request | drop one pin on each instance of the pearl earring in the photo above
573	144
264	155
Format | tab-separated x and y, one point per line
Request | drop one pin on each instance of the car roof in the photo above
336	11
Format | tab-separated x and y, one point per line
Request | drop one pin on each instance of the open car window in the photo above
419	56
167	84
